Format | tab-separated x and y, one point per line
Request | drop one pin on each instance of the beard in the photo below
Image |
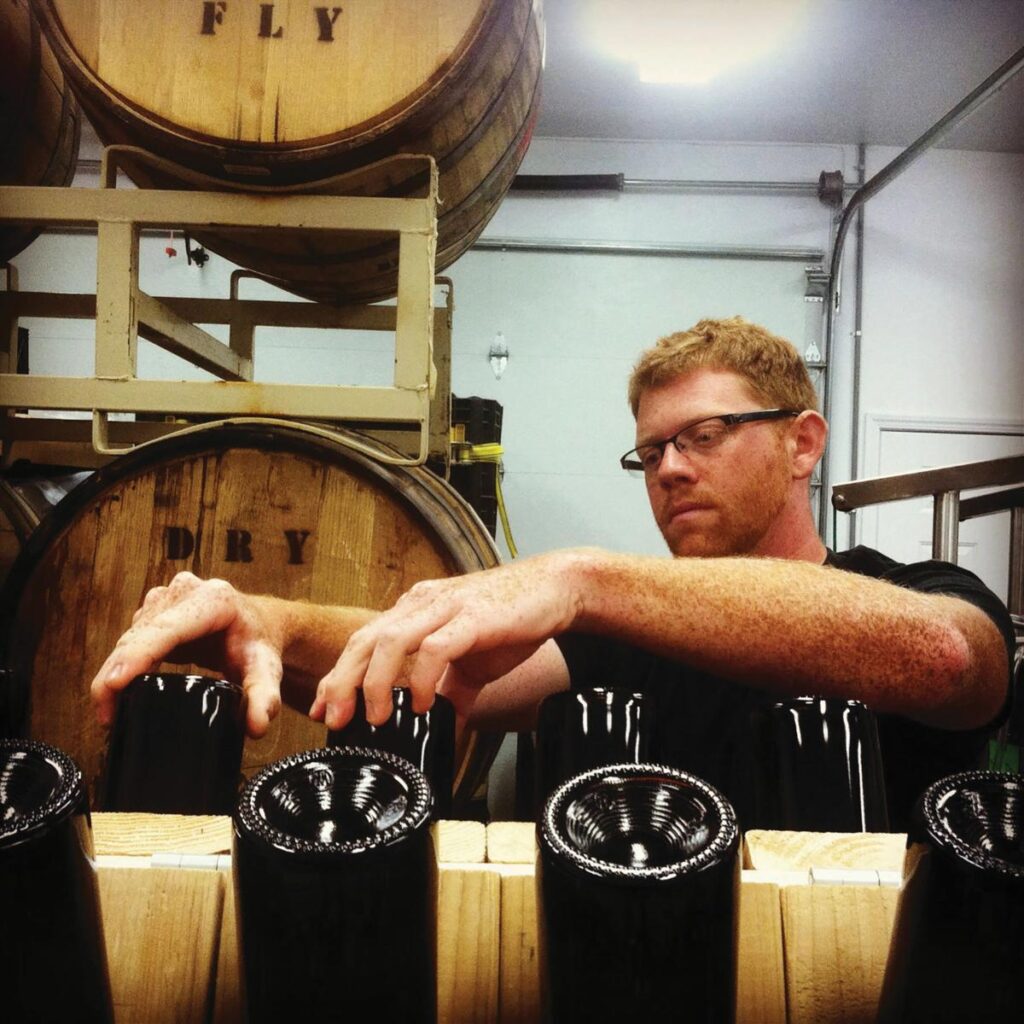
739	522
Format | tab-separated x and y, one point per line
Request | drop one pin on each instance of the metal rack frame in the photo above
124	313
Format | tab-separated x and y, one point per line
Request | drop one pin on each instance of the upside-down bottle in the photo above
335	886
637	884
957	949
53	961
815	766
176	746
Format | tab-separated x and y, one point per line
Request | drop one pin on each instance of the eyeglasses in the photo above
696	438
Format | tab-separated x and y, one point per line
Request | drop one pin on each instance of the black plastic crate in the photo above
476	421
479	418
475	481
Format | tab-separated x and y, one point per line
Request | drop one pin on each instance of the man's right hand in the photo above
205	622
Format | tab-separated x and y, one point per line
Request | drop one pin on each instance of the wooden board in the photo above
460	842
760	976
837	942
162	927
519	970
468	901
139	835
795	851
511	842
227	997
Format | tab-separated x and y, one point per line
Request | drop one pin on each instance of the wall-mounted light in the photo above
498	355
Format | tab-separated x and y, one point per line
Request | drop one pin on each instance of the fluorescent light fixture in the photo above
690	42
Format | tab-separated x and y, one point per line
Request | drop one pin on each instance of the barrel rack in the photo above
416	401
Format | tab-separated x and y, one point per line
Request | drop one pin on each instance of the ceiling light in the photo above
690	41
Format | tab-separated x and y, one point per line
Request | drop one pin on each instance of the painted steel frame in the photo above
124	313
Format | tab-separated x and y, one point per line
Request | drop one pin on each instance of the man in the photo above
751	606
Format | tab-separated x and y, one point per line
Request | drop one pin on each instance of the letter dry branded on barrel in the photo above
289	94
231	502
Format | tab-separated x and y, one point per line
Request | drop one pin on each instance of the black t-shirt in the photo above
702	721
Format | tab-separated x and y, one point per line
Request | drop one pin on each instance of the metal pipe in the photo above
858	323
1015	594
946	526
985	91
808	188
620	183
724	252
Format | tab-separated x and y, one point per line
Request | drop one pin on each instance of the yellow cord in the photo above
492	453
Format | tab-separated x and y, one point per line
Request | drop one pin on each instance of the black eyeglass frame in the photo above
730	419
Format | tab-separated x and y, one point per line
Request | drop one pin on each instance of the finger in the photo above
318	709
383	672
335	693
262	684
339	712
436	653
372	660
111	679
264	703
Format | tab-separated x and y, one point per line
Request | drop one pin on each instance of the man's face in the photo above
727	501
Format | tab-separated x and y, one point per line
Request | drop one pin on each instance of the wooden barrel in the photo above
39	118
27	494
287	94
276	510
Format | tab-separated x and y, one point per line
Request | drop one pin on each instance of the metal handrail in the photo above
963	477
945	484
997	501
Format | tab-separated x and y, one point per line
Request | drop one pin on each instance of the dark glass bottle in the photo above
335	885
637	885
53	961
581	729
816	766
957	950
428	740
176	746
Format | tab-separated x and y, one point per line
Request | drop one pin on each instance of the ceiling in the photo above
874	71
